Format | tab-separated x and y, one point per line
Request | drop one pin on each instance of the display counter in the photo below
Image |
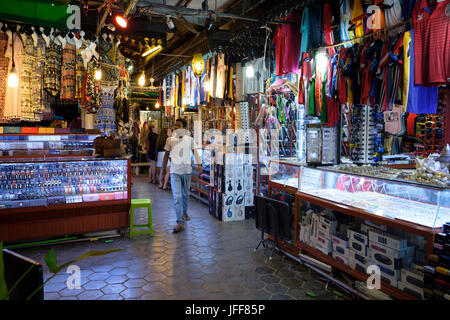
59	196
394	220
284	175
46	145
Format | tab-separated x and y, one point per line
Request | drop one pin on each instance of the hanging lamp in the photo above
198	64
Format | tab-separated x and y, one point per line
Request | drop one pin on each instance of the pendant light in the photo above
141	80
198	64
13	79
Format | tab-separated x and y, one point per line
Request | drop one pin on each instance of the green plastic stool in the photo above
141	203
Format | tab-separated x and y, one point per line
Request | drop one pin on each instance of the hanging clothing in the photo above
93	101
37	81
328	31
3	72
79	73
393	15
213	77
420	99
304	30
105	119
27	112
288	42
68	79
52	70
346	16
12	109
121	106
432	57
315	25
358	18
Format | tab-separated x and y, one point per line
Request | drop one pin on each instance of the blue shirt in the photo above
420	99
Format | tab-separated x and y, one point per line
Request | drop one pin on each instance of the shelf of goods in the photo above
46	145
395	219
41	198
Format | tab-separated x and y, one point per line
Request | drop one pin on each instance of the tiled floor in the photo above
209	260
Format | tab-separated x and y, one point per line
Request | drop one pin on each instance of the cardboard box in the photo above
387	240
324	245
229	159
248	172
238	213
358	257
388	261
248	185
239	159
340	250
238	185
340	240
327	225
412	278
393	253
227	213
356	265
412	290
357	237
340	258
387	272
228	199
239	199
249	199
358	247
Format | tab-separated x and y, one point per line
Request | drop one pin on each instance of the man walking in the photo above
179	147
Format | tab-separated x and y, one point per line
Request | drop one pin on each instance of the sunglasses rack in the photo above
366	134
430	129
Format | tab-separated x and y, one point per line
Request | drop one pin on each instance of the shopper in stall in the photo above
179	146
152	152
164	175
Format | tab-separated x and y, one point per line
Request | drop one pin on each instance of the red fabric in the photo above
332	111
287	42
328	31
431	43
305	72
436	50
279	40
410	121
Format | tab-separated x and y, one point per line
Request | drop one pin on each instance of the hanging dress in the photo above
80	73
68	78
37	80
52	70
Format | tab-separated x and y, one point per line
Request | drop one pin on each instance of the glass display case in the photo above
45	182
41	145
285	172
395	199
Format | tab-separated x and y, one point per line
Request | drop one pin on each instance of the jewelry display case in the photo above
43	145
408	202
60	196
284	174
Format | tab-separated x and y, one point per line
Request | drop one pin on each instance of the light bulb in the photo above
141	80
121	21
98	74
250	72
13	80
157	105
207	86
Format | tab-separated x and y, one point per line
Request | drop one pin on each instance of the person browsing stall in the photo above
179	147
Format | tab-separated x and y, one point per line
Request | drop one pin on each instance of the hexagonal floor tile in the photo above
54	287
51	296
132	293
276	288
269	278
116	279
112	289
118	271
99	276
281	297
111	297
135	283
90	295
94	285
